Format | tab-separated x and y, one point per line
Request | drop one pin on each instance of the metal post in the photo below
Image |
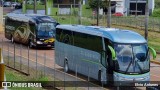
146	20
54	72
14	56
21	57
8	55
76	77
153	23
2	43
45	7
136	9
74	7
80	12
28	59
109	15
98	13
64	79
2	67
35	9
88	77
58	13
70	15
36	62
44	62
159	25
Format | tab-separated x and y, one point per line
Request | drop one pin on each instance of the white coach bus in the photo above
110	54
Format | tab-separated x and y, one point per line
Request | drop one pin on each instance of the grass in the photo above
38	7
12	75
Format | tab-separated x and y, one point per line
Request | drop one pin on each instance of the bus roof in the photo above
35	18
113	34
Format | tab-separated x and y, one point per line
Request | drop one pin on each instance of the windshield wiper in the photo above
139	67
128	66
129	63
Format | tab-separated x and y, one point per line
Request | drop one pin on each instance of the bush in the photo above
157	4
156	13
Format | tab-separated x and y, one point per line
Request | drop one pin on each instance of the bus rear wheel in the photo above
66	69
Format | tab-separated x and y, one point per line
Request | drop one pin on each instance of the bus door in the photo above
109	61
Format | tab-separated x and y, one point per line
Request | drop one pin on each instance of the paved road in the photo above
49	60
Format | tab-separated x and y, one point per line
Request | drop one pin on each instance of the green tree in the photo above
157	4
94	3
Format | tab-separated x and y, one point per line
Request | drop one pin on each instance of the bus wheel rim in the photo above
66	67
12	40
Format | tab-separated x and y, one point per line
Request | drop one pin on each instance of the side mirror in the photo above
112	52
154	54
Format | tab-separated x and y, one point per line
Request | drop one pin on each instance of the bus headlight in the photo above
39	42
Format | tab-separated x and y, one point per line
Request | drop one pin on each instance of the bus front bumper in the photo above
51	45
130	80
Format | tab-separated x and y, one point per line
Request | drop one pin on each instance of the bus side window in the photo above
64	36
59	33
87	41
94	43
67	37
32	27
79	39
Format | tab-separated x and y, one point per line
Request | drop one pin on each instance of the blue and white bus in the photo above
110	54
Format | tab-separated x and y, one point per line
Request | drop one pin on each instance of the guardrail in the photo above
2	67
1	15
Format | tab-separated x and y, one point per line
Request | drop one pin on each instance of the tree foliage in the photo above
157	4
94	3
156	13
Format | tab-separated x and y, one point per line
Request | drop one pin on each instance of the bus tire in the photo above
12	39
66	68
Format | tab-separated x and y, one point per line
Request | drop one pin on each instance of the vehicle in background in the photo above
13	4
18	6
118	57
7	4
118	14
32	29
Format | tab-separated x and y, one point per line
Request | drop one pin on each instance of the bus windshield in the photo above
46	30
132	59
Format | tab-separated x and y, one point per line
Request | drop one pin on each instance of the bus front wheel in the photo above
66	69
100	77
